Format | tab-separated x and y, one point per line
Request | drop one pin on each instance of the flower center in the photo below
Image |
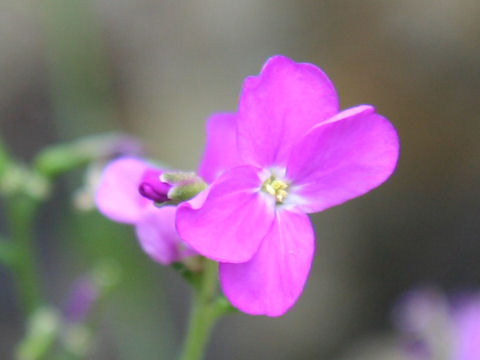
277	188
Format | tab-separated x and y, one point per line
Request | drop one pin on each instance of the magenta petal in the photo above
271	282
343	158
220	152
230	224
279	106
117	195
157	235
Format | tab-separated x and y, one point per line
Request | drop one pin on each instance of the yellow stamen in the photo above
276	188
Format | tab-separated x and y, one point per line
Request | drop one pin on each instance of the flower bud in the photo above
152	187
172	187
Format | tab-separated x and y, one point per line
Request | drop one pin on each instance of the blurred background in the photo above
157	69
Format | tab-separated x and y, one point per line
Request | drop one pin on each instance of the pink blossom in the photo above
441	328
286	152
466	327
126	194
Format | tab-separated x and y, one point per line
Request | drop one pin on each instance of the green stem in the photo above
6	252
204	314
20	213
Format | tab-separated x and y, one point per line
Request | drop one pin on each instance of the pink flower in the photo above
440	327
466	319
126	194
287	152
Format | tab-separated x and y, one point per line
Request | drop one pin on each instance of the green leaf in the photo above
58	159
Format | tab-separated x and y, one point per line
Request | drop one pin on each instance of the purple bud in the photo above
152	188
83	295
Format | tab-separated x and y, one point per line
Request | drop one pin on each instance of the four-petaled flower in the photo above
286	152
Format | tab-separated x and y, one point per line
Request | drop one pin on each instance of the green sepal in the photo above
178	177
186	191
184	185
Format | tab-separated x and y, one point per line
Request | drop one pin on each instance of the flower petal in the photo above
117	195
345	157
230	224
279	106
220	152
271	282
157	235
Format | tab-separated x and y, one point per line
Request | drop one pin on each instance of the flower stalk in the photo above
206	309
20	212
